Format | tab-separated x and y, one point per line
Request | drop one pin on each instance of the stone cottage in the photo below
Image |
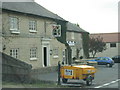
74	37
33	34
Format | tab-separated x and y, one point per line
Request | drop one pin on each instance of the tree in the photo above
96	45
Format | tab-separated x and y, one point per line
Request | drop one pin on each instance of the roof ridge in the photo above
74	28
105	33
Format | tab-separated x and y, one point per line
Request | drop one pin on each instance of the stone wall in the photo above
44	70
15	70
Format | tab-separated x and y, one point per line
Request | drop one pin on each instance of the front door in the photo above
45	53
45	56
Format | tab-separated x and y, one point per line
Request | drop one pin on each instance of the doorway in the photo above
45	55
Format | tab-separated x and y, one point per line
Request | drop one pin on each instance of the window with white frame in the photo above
14	23
57	30
33	53
14	52
32	26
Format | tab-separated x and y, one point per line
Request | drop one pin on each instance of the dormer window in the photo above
57	30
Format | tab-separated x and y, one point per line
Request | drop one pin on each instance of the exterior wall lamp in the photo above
51	52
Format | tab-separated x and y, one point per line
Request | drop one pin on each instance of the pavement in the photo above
52	77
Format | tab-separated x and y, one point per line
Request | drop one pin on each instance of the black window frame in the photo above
112	45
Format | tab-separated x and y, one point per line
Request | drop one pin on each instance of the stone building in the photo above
75	40
33	34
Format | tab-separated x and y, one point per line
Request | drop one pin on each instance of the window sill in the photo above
33	59
55	56
15	32
32	31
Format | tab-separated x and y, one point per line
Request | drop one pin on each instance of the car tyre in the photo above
64	80
108	65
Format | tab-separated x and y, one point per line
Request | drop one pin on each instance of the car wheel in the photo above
108	65
64	80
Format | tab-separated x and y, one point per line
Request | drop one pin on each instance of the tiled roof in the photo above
74	28
108	37
30	8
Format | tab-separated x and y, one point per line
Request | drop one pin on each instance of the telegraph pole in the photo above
59	83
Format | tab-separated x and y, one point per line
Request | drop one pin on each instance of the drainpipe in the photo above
68	55
45	27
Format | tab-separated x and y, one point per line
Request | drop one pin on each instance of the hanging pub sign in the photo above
56	30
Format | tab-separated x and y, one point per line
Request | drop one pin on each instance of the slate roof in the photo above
73	28
30	8
108	37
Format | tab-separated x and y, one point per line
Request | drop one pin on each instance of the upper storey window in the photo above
14	25
32	26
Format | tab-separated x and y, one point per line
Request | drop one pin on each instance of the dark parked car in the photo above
104	61
116	59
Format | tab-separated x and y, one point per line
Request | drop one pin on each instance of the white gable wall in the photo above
109	52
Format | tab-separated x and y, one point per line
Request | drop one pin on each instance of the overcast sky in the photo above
94	16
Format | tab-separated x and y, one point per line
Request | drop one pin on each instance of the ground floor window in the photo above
33	53
112	44
14	52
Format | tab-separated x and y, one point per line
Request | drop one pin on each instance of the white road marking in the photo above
108	83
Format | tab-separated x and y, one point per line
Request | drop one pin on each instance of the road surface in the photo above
104	78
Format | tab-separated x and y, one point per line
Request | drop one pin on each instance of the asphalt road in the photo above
114	85
104	78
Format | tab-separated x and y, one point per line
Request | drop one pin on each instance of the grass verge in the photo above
39	84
